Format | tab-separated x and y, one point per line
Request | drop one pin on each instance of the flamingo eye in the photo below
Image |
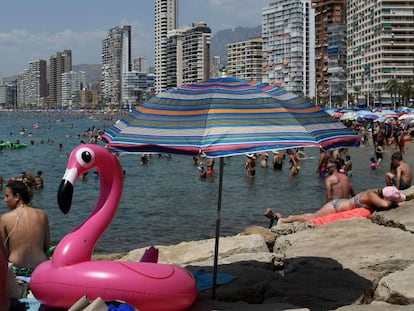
85	157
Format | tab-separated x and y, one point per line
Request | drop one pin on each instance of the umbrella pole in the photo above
216	247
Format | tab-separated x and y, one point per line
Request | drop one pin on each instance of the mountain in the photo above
221	38
93	73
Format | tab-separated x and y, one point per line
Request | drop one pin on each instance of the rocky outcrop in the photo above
354	264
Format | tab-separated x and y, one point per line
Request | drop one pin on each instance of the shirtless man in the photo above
338	185
24	230
401	176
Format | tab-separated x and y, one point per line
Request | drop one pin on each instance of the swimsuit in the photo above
21	271
336	204
403	184
358	203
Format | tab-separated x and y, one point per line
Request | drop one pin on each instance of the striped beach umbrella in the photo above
225	117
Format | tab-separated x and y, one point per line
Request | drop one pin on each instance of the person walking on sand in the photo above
400	174
372	199
338	185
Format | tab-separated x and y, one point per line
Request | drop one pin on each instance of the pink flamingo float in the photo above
71	273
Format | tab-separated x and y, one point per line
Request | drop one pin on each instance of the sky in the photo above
31	30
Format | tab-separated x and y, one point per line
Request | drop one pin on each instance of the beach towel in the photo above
353	213
32	304
205	279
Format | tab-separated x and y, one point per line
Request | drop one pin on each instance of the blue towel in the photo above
205	279
32	304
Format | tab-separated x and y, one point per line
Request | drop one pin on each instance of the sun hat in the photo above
391	193
251	156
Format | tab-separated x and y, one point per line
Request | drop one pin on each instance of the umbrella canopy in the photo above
366	115
224	117
348	116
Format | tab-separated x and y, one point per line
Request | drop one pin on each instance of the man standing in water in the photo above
400	175
338	185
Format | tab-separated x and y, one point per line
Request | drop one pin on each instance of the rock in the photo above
397	287
202	252
355	264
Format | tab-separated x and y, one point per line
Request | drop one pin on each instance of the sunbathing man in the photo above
371	199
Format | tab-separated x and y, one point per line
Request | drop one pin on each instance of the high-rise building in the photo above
32	86
140	64
288	45
188	54
380	48
166	19
59	63
116	62
196	53
244	59
72	83
330	47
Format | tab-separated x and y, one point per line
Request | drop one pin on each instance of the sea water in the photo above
165	201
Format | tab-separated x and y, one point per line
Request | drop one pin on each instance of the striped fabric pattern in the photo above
223	117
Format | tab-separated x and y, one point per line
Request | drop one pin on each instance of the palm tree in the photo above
392	87
407	91
357	89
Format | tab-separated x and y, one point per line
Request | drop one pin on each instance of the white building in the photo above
288	45
244	59
166	19
188	54
380	47
72	83
31	85
116	61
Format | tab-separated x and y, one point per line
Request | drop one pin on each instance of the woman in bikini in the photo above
24	230
371	199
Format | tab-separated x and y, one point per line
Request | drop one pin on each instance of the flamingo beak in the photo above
64	196
65	192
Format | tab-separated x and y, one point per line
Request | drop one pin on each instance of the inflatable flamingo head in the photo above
82	159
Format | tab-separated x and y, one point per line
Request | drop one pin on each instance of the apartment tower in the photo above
288	45
32	86
166	19
244	59
116	62
330	47
380	48
59	63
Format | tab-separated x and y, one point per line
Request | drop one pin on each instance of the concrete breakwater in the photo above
354	264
